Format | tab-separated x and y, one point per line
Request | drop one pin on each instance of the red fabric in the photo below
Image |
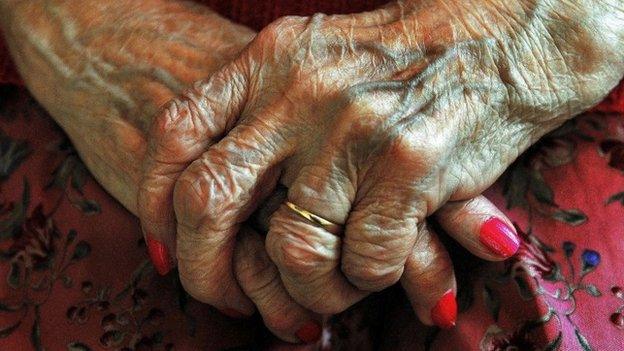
258	13
90	285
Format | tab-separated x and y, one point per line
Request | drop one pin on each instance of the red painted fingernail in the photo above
159	255
309	332
232	313
444	313
499	237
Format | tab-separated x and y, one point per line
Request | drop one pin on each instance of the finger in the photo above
212	197
306	254
180	133
480	227
398	189
260	281
378	238
429	281
308	260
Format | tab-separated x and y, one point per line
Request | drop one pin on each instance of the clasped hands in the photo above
373	121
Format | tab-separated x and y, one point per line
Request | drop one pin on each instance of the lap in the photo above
76	269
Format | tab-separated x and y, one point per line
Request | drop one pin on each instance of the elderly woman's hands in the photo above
105	117
373	121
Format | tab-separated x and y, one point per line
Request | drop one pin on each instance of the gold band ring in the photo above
318	220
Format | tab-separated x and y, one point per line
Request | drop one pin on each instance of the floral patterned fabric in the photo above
76	277
74	274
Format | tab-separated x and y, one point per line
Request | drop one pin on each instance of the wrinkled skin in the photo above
105	112
374	121
427	268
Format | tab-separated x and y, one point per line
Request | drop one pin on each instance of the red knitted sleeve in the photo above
258	13
252	13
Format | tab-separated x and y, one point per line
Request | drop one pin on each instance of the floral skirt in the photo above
75	275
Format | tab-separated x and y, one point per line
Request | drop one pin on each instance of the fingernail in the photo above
444	313
309	332
499	237
232	313
159	255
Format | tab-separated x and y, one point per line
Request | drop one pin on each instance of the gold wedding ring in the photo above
318	220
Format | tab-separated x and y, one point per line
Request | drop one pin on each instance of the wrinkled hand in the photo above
373	121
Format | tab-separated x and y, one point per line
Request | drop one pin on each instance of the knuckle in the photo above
414	151
261	282
375	248
396	143
321	184
295	251
190	121
190	200
368	272
171	117
361	118
177	131
381	234
258	276
379	220
297	257
206	185
369	278
277	36
282	25
362	100
210	102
